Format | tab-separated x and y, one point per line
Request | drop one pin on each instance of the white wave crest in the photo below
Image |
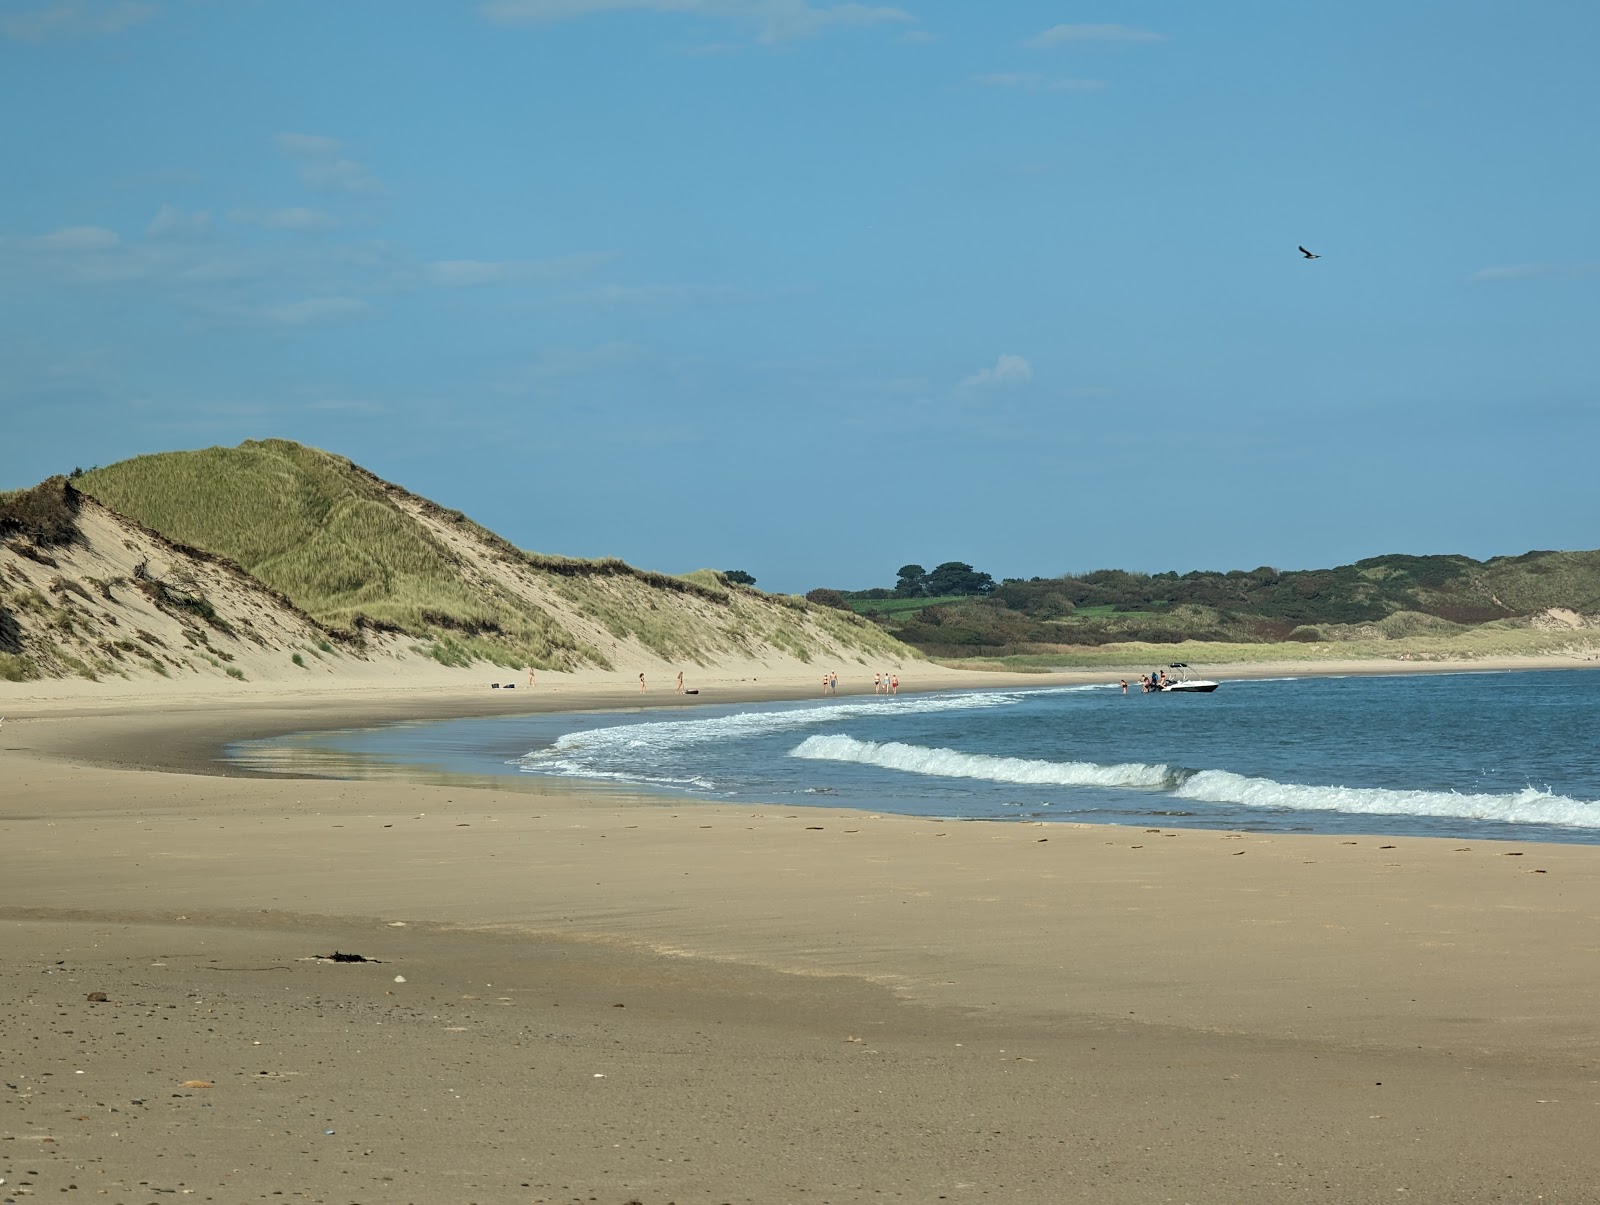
631	744
952	763
1527	806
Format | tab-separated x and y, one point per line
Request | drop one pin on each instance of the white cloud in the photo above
1029	81
659	295
1058	35
75	19
459	272
172	222
77	238
1576	271
324	168
296	218
1007	370
307	144
776	20
315	310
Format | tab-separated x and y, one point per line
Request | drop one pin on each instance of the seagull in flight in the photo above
1308	254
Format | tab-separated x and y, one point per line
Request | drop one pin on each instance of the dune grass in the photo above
358	553
308	525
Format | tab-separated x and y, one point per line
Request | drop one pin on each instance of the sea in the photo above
1489	756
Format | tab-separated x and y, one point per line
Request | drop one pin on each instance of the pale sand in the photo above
1045	1013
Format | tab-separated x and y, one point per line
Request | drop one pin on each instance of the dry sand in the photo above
588	997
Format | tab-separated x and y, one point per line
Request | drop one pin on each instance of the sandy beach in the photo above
584	996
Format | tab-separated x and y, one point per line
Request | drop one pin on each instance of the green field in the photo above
877	607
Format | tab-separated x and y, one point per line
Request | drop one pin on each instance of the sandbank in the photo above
610	998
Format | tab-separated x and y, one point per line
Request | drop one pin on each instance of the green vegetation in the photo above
17	669
333	539
360	556
1388	606
901	606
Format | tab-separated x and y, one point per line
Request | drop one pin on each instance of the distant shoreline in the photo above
185	731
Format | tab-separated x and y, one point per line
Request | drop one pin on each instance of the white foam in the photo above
1527	806
952	763
631	743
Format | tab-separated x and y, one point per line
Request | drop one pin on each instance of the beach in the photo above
581	995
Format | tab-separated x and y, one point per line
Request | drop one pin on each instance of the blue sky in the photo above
817	289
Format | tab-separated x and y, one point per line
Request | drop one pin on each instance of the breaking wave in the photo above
1527	806
638	752
951	763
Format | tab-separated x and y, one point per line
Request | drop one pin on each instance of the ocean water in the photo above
1492	755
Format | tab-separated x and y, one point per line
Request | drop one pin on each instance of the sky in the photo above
818	289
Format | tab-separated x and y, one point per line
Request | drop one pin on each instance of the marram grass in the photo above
351	551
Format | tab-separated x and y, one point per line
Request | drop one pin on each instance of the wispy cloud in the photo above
76	238
172	222
1060	35
659	295
315	311
775	20
322	165
1006	370
70	19
461	272
296	218
1574	271
1030	81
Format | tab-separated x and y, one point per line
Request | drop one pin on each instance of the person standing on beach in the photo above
877	684
833	683
530	675
894	685
680	683
641	684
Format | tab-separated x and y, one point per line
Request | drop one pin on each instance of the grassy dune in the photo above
361	554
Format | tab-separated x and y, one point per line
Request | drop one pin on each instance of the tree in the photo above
956	577
910	583
738	577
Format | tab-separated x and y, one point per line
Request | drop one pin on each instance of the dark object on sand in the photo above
338	957
691	692
97	998
510	686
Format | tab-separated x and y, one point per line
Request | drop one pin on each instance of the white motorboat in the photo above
1182	683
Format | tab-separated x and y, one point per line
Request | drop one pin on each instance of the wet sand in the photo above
618	999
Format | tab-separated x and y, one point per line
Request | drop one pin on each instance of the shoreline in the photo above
591	995
216	718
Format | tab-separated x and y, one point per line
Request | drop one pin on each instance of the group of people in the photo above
882	684
677	690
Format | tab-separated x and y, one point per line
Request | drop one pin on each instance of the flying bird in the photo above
1308	254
